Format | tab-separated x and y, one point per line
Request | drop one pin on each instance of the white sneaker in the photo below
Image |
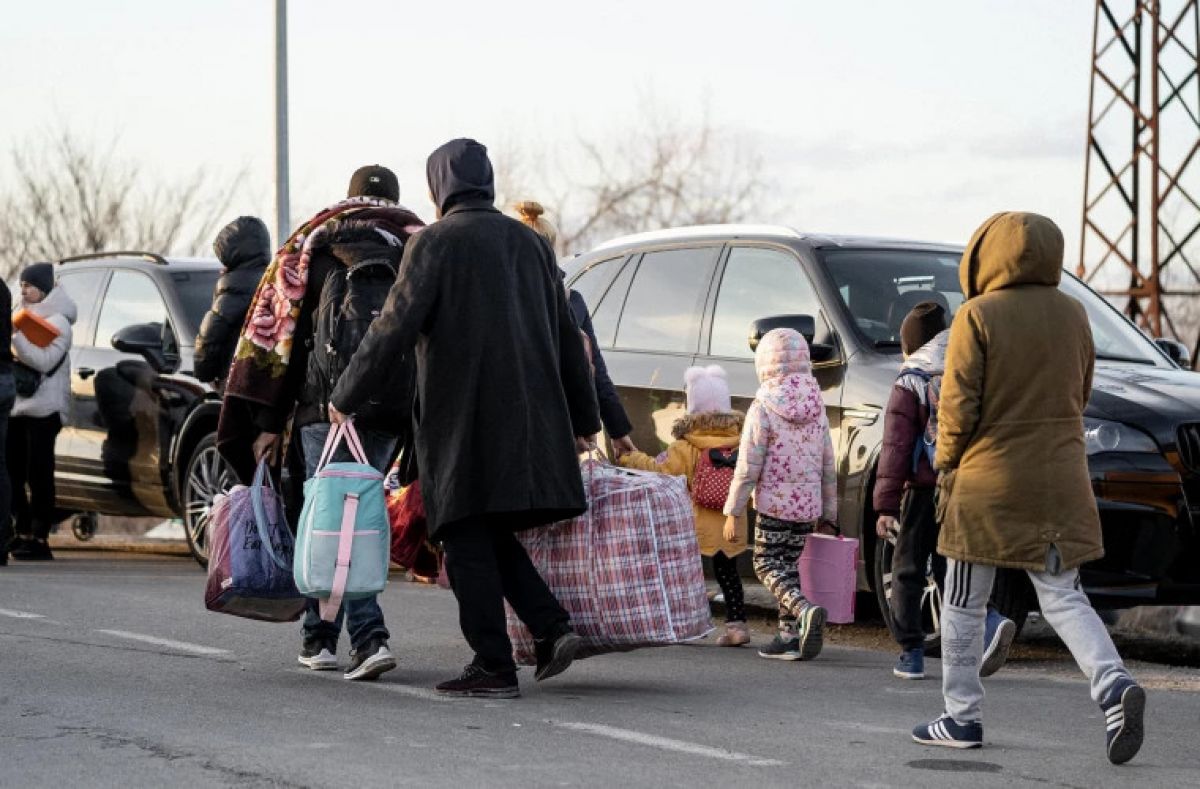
372	660
318	658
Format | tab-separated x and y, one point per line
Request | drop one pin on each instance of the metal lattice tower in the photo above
1140	240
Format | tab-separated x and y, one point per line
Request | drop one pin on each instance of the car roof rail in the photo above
148	256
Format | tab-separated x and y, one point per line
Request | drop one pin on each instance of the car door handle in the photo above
85	372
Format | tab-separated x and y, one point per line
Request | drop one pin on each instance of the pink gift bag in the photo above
829	574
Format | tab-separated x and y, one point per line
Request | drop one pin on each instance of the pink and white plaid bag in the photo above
628	570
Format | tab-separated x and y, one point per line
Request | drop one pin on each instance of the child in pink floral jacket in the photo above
786	456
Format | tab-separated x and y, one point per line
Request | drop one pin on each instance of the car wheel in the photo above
931	596
1011	594
83	525
207	476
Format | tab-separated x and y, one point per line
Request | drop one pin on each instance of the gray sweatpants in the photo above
1064	606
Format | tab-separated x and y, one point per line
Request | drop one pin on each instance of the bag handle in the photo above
260	511
343	431
354	442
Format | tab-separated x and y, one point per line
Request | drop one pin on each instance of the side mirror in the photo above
804	324
144	339
1177	351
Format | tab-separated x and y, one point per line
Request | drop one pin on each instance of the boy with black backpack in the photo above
904	491
352	263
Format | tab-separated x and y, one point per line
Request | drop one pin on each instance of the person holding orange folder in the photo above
8	395
42	379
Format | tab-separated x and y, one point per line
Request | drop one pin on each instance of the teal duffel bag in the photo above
343	538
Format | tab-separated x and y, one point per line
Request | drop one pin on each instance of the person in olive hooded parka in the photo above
244	248
504	390
1013	489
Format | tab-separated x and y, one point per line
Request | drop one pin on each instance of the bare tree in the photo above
660	172
68	198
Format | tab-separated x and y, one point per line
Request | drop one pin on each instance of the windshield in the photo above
880	286
195	289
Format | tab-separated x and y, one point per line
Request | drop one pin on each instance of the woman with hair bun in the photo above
612	413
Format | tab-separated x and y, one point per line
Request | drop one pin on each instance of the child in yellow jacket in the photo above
710	424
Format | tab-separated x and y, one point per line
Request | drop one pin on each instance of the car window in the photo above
591	283
83	287
195	290
132	298
662	312
880	286
606	312
758	282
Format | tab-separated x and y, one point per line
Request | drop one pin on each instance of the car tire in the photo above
207	475
1012	594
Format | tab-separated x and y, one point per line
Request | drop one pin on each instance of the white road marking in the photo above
181	646
666	743
411	690
20	614
415	691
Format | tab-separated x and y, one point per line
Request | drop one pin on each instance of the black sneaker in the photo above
554	656
477	683
370	660
18	542
34	551
812	632
319	655
785	645
948	733
1123	708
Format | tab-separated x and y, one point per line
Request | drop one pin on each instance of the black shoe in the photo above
34	550
370	660
319	655
19	542
554	656
1123	708
477	683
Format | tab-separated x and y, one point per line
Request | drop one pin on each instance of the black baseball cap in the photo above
374	180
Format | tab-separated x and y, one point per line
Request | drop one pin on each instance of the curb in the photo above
121	544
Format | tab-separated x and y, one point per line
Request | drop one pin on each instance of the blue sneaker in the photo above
948	733
911	664
998	635
1123	706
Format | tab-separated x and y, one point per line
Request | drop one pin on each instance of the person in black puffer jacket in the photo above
244	247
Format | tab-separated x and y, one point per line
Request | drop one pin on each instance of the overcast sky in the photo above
913	119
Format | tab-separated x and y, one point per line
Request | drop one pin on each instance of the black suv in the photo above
663	301
141	436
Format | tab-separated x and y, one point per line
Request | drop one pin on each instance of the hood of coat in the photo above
784	368
244	240
460	172
356	241
1011	249
57	302
930	358
710	429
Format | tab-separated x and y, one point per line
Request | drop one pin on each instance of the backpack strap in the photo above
329	607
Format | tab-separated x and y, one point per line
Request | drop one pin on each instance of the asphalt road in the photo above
115	675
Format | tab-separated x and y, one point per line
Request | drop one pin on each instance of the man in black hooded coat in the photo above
504	390
244	247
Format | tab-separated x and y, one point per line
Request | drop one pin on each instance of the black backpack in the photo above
352	297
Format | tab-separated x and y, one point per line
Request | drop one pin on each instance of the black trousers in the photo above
915	544
726	572
30	451
488	565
